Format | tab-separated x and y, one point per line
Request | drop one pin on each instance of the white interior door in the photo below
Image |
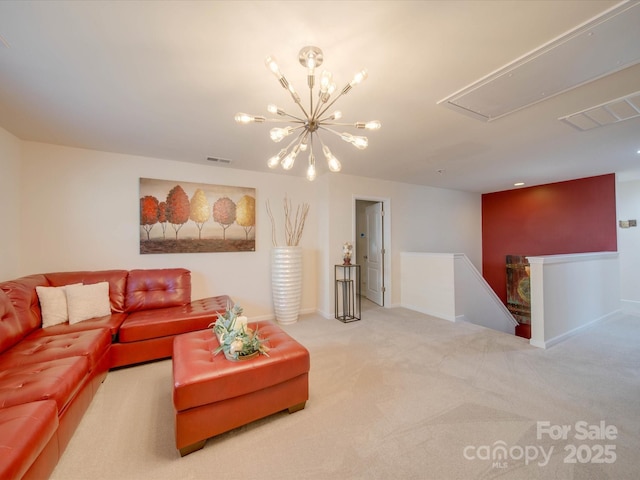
374	257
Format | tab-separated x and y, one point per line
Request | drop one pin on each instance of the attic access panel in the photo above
602	46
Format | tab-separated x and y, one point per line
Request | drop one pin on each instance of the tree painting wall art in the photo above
184	217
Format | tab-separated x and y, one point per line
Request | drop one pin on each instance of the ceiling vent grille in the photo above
607	113
604	45
219	161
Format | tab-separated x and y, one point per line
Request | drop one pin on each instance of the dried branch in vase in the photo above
293	226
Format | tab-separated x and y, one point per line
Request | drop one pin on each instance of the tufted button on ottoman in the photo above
212	395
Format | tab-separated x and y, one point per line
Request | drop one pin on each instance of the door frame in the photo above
386	238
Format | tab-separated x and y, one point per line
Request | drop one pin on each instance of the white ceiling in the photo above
165	79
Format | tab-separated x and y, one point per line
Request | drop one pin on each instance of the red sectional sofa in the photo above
49	374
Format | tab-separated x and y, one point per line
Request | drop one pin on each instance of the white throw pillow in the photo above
87	301
53	304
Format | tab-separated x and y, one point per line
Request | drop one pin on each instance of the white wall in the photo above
81	211
10	214
628	208
428	284
82	208
422	219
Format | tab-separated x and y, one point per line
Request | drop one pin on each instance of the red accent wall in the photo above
576	216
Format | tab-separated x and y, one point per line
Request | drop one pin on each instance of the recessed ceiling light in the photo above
519	184
638	152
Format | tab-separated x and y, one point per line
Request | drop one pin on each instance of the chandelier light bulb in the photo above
359	78
274	161
311	173
337	115
271	64
324	96
245	118
334	164
288	161
311	62
360	142
373	125
277	134
273	109
325	81
311	170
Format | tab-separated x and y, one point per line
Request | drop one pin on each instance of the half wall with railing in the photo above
448	286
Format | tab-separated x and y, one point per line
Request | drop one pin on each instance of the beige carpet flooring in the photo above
397	395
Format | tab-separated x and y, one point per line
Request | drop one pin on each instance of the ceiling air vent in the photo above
601	46
219	161
607	113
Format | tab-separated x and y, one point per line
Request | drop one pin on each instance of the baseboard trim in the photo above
630	307
428	312
555	340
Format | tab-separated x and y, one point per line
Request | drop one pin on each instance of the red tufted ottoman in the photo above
212	395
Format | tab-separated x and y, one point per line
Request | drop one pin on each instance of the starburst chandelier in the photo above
307	126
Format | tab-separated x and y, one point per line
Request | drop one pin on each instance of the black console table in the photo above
347	288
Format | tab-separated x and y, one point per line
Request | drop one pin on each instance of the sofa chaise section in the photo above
28	440
50	373
158	308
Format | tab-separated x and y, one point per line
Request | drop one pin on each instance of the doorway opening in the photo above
371	244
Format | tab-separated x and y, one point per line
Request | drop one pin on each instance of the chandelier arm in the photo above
310	101
294	140
358	142
296	99
300	119
302	108
314	114
329	105
293	119
294	95
325	121
301	136
299	127
325	127
285	120
297	139
286	149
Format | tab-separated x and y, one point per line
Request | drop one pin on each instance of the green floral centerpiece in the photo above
237	340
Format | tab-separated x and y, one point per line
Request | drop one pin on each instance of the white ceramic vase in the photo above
286	283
